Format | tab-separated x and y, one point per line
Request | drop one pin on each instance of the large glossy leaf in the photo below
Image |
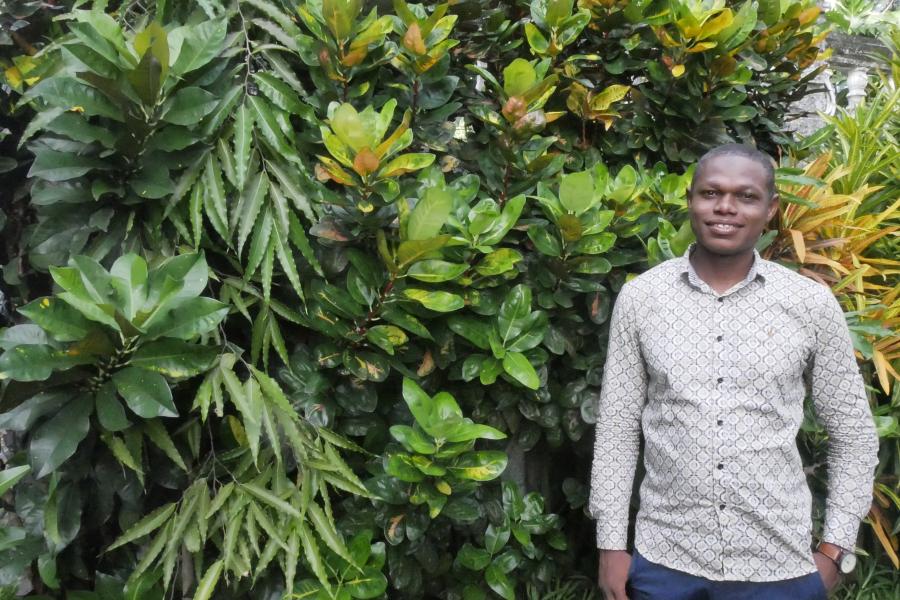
192	318
56	440
189	106
201	43
437	301
69	93
57	318
576	191
146	392
175	359
436	271
429	215
519	368
62	166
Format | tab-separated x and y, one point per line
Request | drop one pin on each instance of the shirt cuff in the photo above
841	528
612	536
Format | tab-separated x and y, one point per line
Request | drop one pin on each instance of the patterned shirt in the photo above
716	384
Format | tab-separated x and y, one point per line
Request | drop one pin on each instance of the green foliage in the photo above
329	273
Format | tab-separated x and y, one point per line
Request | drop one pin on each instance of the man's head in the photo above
732	197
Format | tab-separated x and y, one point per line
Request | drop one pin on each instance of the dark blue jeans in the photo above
650	581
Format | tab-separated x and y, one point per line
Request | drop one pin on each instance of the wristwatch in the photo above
844	559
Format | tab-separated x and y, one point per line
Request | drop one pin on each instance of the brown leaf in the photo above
365	162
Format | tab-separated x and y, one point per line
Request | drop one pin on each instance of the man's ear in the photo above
774	203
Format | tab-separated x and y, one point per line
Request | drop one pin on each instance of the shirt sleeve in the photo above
618	427
840	401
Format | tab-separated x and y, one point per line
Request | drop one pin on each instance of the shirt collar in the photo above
757	270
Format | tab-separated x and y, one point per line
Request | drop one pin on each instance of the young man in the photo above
709	357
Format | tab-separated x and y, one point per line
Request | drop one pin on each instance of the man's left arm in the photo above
839	397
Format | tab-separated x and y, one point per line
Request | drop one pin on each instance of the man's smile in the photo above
723	227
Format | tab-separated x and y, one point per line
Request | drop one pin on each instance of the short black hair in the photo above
744	151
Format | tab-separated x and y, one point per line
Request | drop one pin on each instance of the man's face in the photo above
730	205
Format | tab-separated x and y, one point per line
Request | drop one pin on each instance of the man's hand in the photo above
827	570
613	574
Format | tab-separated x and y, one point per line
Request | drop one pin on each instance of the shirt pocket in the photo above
769	352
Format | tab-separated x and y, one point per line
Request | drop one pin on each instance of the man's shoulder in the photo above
797	286
654	278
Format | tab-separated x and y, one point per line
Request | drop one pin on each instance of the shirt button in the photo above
718	338
720	380
720	466
720	422
720	299
721	507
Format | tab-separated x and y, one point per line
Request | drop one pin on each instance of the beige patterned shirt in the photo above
716	383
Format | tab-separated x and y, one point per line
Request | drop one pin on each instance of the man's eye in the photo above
710	193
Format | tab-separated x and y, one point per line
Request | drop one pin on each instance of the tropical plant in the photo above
298	282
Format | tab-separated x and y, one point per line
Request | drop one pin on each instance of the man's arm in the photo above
618	426
839	397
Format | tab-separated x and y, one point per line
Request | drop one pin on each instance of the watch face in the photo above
848	563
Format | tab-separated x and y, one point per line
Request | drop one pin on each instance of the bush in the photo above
320	272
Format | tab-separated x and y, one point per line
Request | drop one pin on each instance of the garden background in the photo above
310	299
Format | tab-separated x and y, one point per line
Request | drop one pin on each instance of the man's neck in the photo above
721	272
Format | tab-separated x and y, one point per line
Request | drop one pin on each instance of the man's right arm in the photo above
617	440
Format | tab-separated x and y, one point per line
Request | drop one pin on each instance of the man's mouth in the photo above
723	228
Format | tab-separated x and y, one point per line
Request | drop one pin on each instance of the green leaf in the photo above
499	582
267	497
9	477
520	369
367	366
283	96
480	466
515	308
386	337
207	584
536	40
251	202
310	553
436	271
594	244
470	557
429	214
22	417
145	526
56	440
499	262
157	433
69	93
202	43
147	393
472	329
62	166
192	318
591	265
371	583
405	163
544	241
57	318
518	77
189	106
576	191
435	300
243	137
37	363
496	537
110	411
410	251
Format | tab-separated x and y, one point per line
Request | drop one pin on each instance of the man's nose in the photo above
725	204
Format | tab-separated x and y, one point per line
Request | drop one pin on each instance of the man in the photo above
708	357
